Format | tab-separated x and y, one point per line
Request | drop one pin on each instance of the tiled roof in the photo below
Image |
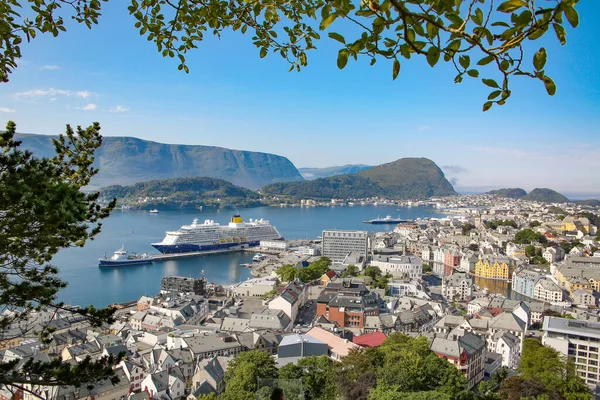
370	339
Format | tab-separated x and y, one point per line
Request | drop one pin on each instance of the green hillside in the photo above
127	160
545	195
512	193
182	193
407	178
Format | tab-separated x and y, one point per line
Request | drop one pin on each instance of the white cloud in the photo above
88	107
118	109
7	110
51	93
50	67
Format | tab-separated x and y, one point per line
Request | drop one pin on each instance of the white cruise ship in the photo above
210	235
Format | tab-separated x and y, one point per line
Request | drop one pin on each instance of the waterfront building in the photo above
407	267
524	280
494	268
183	284
337	244
281	245
457	285
468	261
467	354
578	340
347	303
255	287
546	290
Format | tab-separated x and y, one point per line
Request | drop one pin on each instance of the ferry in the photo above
387	220
259	257
155	211
121	258
210	236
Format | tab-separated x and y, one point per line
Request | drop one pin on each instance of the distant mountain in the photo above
512	193
407	178
127	160
177	193
315	173
546	196
588	202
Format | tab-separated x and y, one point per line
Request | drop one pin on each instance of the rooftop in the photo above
572	327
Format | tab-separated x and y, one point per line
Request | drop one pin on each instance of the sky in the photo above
321	116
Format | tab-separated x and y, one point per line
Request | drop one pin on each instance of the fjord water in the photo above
136	230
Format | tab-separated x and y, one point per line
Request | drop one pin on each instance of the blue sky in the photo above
321	116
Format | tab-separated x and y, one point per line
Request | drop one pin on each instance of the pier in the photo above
173	256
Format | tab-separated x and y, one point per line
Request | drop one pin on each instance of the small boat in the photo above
121	258
259	257
155	211
387	220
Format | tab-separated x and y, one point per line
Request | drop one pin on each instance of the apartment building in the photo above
337	244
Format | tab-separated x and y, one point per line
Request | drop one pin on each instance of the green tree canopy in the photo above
44	211
316	374
241	378
480	39
527	236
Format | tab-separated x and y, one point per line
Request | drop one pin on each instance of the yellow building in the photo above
495	269
576	223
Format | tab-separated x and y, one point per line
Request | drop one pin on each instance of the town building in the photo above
494	268
279	245
457	285
407	267
467	354
255	287
524	280
347	303
292	297
337	244
547	290
183	284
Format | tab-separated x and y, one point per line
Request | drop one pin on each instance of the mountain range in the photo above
544	195
315	173
128	160
406	178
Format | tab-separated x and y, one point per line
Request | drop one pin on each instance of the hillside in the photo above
512	193
545	195
127	160
407	178
588	202
315	173
178	193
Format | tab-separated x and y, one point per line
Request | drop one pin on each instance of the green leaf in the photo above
550	85
342	58
395	69
473	73
464	61
572	16
478	17
486	60
338	37
327	21
487	105
433	55
494	94
539	59
491	83
263	52
561	34
511	5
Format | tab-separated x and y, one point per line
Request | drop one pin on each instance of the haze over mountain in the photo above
128	160
315	173
512	193
408	178
545	195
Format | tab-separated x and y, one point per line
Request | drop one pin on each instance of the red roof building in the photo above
370	339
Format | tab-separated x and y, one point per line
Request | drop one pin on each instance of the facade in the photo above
408	267
494	269
546	290
467	354
290	300
579	340
458	284
553	254
274	245
524	280
183	284
349	305
337	244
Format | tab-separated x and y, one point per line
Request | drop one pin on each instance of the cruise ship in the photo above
210	235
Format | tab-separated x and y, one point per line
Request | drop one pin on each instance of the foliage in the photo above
244	371
534	224
494	224
372	272
400	364
316	374
493	384
314	271
467	228
473	36
210	396
593	218
474	247
407	178
512	193
427	268
44	211
543	367
183	193
352	270
527	236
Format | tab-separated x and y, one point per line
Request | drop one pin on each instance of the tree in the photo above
44	211
472	36
244	370
530	250
352	270
316	375
287	273
210	396
527	236
372	272
467	228
534	224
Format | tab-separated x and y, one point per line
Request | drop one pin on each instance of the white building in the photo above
274	245
553	254
290	300
546	290
579	340
255	287
458	284
408	267
337	244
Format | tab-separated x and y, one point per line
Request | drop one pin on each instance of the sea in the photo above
136	230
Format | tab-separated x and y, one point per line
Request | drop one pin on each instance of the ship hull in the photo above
389	222
196	248
122	263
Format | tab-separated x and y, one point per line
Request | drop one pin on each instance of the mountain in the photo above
545	195
177	193
512	193
127	160
314	173
588	202
406	178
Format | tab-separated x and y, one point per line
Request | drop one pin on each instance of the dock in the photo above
173	256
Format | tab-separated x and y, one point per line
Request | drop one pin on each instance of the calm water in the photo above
89	284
